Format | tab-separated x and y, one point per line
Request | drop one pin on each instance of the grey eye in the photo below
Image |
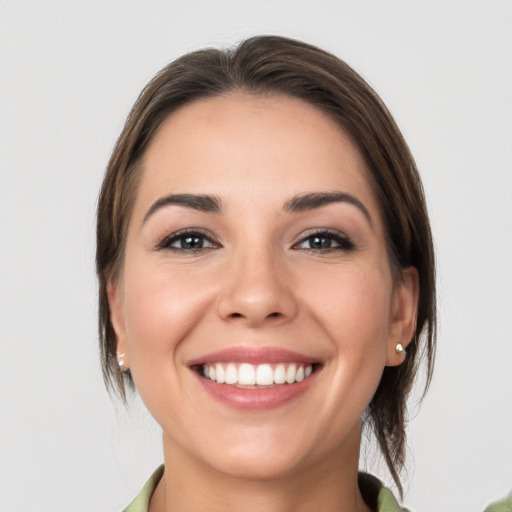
188	241
317	242
325	241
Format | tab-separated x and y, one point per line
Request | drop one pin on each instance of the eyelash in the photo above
344	243
166	243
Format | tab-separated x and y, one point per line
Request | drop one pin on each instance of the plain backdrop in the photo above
69	72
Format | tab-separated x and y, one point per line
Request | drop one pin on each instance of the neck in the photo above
329	485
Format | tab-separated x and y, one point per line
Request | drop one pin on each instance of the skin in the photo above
258	283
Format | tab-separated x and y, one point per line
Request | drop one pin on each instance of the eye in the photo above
188	241
323	241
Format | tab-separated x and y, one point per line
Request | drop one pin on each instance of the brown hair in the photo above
276	65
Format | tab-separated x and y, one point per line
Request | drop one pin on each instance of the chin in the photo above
262	466
263	454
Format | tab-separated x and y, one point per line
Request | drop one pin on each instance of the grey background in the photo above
69	72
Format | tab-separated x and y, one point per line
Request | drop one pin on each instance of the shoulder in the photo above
504	505
141	502
376	496
381	499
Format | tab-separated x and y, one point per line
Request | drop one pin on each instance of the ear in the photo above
403	316
115	302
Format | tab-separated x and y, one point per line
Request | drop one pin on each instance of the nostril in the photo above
275	314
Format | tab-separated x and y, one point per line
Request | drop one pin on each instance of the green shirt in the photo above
378	497
505	505
374	493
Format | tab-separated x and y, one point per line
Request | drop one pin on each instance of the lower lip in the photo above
256	399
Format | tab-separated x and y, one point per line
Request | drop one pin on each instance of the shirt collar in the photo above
376	496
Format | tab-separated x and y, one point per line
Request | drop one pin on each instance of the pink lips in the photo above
255	398
254	356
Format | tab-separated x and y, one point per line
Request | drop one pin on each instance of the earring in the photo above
121	363
399	349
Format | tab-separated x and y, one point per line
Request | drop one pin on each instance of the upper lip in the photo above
260	355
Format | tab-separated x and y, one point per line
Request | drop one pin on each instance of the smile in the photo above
248	378
246	374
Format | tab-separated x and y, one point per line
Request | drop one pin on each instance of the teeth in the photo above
280	374
246	374
264	375
231	374
291	373
220	373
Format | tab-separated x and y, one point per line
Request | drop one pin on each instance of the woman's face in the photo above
256	305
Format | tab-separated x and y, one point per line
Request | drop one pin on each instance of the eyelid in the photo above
164	244
343	240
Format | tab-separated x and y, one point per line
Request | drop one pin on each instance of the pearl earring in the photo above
121	363
399	349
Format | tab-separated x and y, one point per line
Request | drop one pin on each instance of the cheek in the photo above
161	308
355	315
352	306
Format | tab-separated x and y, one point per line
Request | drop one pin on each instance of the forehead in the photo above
243	147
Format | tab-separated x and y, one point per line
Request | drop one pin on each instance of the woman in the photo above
266	279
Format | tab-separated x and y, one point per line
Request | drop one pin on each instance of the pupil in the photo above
191	242
320	242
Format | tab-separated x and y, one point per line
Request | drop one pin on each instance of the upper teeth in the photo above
247	374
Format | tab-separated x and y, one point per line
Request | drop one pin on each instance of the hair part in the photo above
270	65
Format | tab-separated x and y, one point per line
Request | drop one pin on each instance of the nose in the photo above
257	289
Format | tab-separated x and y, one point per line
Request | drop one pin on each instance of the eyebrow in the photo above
212	204
314	200
202	202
